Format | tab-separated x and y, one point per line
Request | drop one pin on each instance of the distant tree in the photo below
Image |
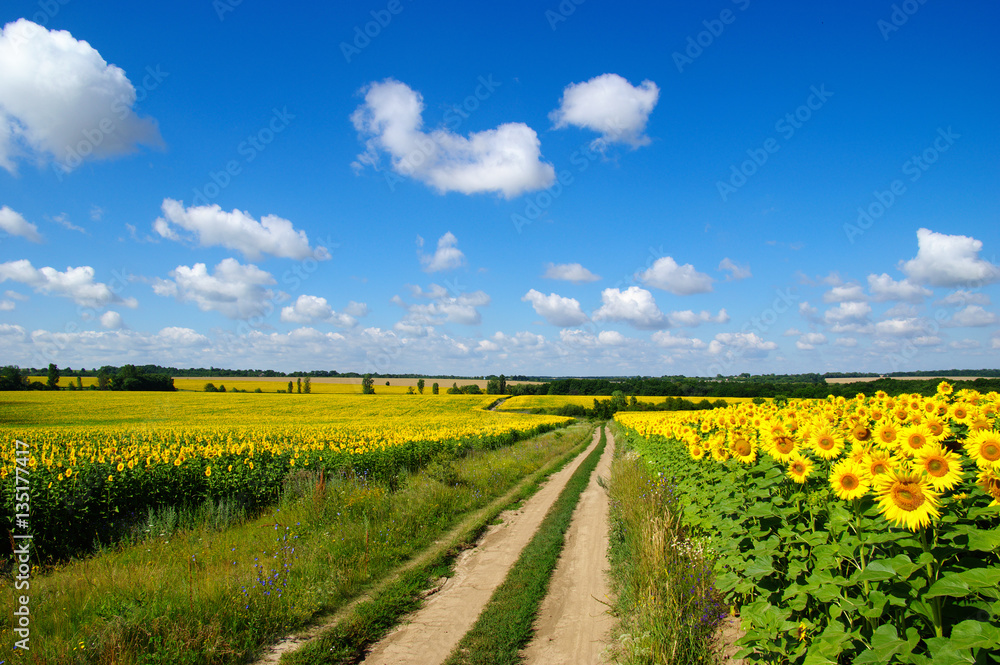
367	385
210	388
52	383
409	390
503	384
454	390
434	389
11	379
103	380
299	386
289	387
222	388
79	383
307	385
493	386
420	386
386	383
258	391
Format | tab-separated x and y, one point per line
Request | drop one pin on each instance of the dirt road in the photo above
429	635
573	622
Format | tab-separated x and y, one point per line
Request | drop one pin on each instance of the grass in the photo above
505	625
667	605
211	595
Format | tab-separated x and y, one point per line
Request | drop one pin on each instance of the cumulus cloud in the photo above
964	345
59	99
75	283
16	225
442	308
609	105
7	305
690	319
447	256
212	226
634	306
556	309
668	340
848	312
846	342
506	160
682	280
111	320
810	341
900	327
736	271
973	316
309	309
884	288
747	345
949	261
581	338
962	298
234	290
570	272
845	293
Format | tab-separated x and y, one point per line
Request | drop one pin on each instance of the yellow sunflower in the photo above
849	480
697	452
942	467
907	499
799	468
782	447
887	435
983	446
915	438
861	433
743	449
990	482
880	463
938	427
827	442
944	389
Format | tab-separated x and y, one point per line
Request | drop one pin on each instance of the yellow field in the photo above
67	380
527	402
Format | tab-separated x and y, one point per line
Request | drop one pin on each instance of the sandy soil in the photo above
429	635
573	622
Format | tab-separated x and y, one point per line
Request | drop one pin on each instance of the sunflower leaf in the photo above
984	541
972	634
944	652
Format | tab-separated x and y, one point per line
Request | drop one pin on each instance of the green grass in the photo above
666	603
505	625
208	595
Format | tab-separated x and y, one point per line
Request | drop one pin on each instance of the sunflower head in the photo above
799	468
942	467
849	480
827	443
915	438
983	446
907	500
989	480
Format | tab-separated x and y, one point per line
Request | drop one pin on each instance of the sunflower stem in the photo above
931	578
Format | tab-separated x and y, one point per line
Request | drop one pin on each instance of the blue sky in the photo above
541	188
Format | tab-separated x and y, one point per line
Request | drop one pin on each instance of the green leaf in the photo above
885	645
972	634
949	585
943	652
876	571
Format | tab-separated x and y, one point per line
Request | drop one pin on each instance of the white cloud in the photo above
62	219
973	316
949	261
901	310
845	293
7	305
570	272
234	290
446	257
15	295
668	341
444	308
309	309
75	283
810	341
900	327
16	225
807	310
748	345
690	319
927	340
60	99
884	288
111	320
634	306
237	230
962	298
736	271
356	309
611	338
505	160
964	345
682	280
556	309
846	342
848	312
609	105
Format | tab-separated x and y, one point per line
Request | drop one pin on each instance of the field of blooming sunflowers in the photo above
861	530
100	461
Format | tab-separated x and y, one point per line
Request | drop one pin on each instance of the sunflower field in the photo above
99	462
861	530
